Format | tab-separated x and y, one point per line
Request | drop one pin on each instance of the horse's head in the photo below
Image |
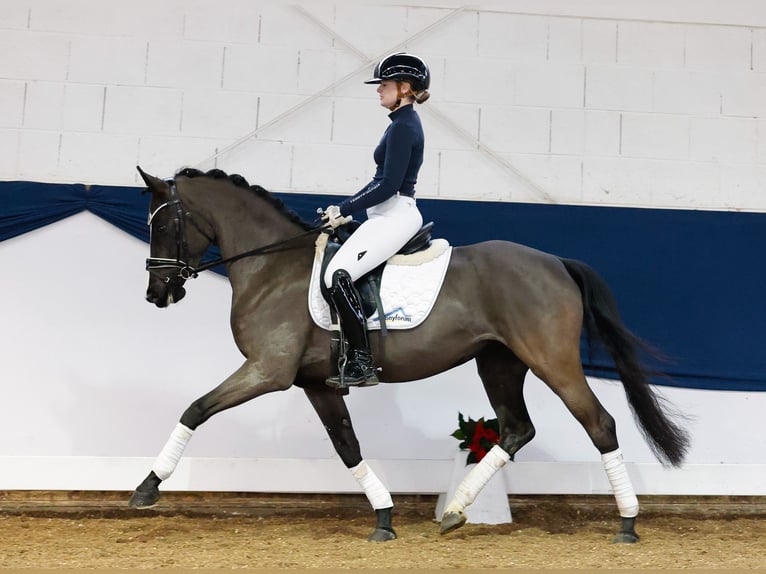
175	244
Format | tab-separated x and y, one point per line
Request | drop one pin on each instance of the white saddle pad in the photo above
408	289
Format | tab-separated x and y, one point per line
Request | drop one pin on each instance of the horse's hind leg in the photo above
503	376
564	375
248	382
335	417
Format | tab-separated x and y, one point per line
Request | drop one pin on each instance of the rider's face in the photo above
388	92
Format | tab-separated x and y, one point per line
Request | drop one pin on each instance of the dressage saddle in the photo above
368	285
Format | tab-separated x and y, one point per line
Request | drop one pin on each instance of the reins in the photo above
186	271
264	250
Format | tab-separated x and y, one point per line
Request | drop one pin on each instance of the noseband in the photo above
183	269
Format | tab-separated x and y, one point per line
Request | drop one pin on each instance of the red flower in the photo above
478	437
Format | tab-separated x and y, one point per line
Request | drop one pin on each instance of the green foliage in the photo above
476	436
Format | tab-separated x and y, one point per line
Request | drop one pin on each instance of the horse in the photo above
530	316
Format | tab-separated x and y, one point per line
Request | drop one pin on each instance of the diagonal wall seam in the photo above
303	103
432	109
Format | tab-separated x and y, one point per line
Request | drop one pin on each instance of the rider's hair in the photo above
421	97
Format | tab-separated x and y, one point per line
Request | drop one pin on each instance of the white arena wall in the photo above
653	104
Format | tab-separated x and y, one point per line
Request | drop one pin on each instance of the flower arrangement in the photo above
476	436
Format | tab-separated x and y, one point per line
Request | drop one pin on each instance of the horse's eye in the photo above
161	228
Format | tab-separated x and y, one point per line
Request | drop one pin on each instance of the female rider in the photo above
392	216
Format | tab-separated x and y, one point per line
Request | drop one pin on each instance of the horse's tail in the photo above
602	322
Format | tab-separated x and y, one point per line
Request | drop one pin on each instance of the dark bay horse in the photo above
509	307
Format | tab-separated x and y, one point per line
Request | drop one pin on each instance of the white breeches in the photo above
389	226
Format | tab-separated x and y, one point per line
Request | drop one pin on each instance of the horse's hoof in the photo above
381	535
627	533
626	538
452	521
144	498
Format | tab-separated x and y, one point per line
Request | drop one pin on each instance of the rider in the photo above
392	216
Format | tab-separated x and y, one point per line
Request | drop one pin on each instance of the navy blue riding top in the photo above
398	157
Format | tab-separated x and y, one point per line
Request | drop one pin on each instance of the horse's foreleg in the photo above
244	384
335	417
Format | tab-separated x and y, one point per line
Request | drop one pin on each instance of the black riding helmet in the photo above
403	67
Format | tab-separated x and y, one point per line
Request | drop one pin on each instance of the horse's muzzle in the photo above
164	293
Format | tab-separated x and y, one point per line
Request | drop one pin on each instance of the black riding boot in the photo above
359	369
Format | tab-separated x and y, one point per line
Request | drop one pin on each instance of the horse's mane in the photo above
240	181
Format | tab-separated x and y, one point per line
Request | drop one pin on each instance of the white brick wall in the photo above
516	129
650	45
694	93
9	143
15	15
655	136
440	134
373	27
202	115
31	55
599	42
759	50
656	104
106	158
140	18
223	22
140	110
550	85
13	96
743	94
738	181
164	155
64	107
618	88
110	61
718	48
723	140
513	37
37	150
261	68
184	64
565	40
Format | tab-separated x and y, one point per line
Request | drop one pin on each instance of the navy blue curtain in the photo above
689	282
25	206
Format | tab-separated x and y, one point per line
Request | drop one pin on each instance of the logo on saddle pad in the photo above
408	289
395	316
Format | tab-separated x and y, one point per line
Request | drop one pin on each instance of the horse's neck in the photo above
243	222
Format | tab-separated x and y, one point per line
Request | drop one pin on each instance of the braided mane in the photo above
240	181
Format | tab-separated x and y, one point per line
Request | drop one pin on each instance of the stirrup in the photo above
369	379
356	372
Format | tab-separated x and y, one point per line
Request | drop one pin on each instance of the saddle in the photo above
368	285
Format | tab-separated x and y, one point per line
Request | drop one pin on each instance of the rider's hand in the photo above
333	217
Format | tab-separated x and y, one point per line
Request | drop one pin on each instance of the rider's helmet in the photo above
403	67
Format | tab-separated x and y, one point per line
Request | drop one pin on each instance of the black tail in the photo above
602	321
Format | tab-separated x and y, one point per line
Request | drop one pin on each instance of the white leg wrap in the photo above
472	484
627	502
377	494
168	459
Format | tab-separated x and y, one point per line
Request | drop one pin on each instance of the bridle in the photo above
183	269
153	264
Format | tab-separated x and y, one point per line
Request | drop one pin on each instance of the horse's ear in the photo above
152	182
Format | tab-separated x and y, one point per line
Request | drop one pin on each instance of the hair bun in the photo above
422	96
